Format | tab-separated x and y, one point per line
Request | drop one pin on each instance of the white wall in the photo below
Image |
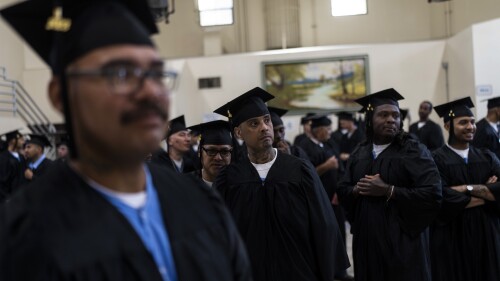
387	21
11	48
411	68
468	12
460	57
486	61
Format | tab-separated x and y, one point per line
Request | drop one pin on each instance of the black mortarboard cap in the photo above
388	96
40	140
306	118
214	132
63	140
320	120
343	115
276	114
248	105
456	108
176	125
62	31
493	102
11	135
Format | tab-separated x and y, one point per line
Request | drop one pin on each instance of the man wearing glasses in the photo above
215	149
104	214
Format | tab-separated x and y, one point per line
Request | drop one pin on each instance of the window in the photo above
215	12
348	7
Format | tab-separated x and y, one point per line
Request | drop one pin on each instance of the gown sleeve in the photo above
494	187
327	241
418	204
239	258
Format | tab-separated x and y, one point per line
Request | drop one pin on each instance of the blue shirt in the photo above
148	223
37	163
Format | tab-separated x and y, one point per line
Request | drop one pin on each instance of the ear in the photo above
447	126
55	94
237	132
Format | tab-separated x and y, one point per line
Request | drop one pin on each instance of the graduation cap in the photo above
214	132
63	140
62	31
176	125
306	118
248	105
456	108
276	114
10	135
493	102
388	96
40	140
343	115
319	121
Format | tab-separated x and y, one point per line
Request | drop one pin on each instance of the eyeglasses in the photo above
126	78
213	152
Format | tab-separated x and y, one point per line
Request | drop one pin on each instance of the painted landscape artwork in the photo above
330	84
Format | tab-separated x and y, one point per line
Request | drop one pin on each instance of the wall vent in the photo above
209	83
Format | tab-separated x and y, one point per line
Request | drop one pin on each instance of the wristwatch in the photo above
468	189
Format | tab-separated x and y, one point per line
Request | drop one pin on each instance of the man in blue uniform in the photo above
106	215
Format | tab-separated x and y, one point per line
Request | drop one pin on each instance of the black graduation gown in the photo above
11	174
336	136
161	158
60	228
430	134
287	221
299	138
42	169
390	239
298	152
465	243
348	144
318	155
486	137
240	152
193	158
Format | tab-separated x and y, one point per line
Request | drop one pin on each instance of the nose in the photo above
266	127
218	156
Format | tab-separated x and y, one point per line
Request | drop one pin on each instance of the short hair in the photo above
429	103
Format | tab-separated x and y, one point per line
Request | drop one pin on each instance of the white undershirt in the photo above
420	125
209	183
178	164
377	149
464	153
195	147
135	200
15	154
263	169
316	141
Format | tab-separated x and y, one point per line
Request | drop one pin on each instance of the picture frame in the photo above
319	85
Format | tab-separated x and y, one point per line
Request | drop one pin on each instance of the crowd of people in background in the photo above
232	199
